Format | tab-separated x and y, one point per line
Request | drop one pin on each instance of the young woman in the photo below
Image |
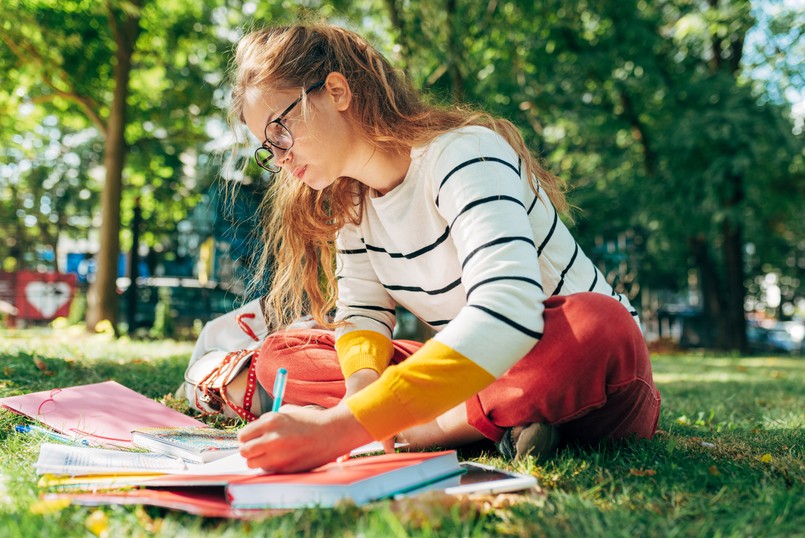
380	199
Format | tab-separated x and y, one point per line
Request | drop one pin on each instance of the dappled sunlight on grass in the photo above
698	369
709	377
74	343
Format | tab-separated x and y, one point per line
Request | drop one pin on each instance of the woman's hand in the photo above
299	438
355	383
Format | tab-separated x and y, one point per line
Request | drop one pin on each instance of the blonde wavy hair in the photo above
299	224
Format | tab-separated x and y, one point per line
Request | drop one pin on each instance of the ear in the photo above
338	91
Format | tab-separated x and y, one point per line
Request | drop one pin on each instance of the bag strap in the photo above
251	383
244	326
229	362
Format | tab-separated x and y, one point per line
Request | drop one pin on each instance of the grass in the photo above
727	461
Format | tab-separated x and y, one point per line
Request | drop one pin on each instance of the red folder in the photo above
103	413
206	502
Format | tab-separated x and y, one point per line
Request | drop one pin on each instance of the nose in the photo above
282	156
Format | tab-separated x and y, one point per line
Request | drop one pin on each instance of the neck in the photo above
380	170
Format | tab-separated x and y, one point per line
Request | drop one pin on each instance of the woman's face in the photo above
320	132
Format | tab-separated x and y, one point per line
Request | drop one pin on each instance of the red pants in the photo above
590	374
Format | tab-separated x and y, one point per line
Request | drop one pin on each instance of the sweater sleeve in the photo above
364	341
478	190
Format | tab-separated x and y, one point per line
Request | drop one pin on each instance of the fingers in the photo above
388	445
256	428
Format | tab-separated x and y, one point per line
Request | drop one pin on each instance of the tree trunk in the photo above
713	326
732	248
102	299
735	287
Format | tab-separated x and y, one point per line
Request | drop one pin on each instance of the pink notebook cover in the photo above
103	413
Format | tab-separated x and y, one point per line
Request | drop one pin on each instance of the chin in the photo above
317	184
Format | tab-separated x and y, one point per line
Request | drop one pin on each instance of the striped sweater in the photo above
466	246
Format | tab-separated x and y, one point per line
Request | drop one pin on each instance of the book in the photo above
71	460
195	445
359	480
72	467
102	413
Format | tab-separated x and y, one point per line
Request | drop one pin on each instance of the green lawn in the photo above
728	460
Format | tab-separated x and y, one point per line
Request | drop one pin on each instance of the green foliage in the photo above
668	120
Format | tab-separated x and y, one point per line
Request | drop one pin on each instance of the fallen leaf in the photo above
98	523
48	506
642	472
43	367
432	506
714	470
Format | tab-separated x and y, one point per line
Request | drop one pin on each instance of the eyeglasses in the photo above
278	135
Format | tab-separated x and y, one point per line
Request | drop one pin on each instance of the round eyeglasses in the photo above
277	135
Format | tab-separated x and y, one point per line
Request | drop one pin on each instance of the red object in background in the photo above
42	296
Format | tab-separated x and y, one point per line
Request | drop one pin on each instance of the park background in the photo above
678	126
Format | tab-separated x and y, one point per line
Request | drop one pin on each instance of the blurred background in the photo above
677	124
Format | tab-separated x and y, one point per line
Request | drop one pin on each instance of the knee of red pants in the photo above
309	356
590	346
600	322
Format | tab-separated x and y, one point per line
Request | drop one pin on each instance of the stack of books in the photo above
192	467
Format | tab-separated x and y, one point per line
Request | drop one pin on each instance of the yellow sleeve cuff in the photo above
363	349
431	381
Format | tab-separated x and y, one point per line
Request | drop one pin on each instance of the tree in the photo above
110	72
649	112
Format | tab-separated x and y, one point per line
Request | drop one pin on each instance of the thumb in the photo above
388	445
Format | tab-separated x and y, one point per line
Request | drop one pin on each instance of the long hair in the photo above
299	223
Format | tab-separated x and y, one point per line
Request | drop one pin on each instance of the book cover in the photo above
102	413
195	445
359	480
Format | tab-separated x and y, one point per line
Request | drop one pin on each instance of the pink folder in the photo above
103	413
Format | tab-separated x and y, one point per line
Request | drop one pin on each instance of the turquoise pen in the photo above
279	389
26	428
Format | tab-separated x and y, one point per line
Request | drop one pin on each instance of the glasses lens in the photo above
265	159
278	135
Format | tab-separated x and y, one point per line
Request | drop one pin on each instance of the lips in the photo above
299	171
